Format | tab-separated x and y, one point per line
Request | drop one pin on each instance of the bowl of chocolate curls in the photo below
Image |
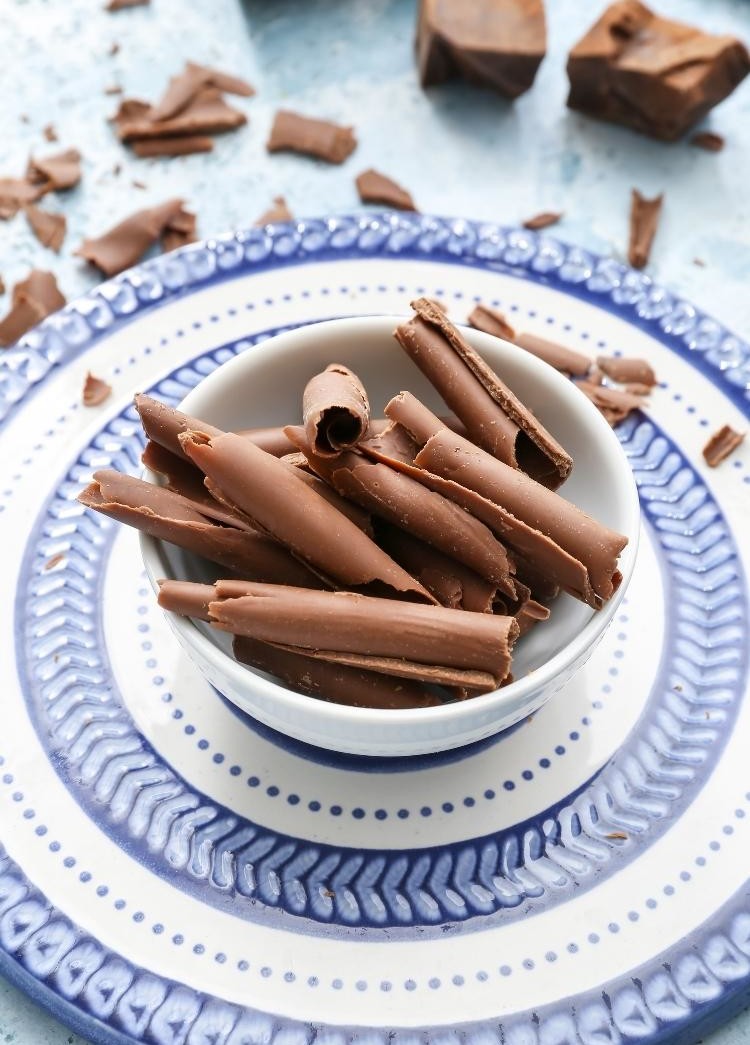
383	535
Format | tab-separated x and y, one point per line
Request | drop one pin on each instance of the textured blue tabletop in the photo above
459	150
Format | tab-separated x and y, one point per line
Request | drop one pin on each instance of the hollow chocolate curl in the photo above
428	642
494	417
292	132
335	410
283	506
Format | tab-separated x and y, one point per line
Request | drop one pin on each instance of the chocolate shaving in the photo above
114	48
708	140
494	417
543	220
283	506
128	241
644	220
95	390
16	193
431	643
49	132
114	88
491	321
206	113
352	511
179	231
186	146
48	228
618	368
55	173
33	298
335	410
122	5
292	132
184	87
274	441
53	561
562	358
721	444
374	187
278	212
613	403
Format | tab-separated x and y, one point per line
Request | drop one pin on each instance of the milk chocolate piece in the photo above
564	359
529	614
186	598
273	440
432	643
187	480
352	511
172	146
180	230
644	221
95	390
183	88
543	220
491	321
327	141
48	228
55	173
589	541
277	212
207	113
721	444
649	73
16	193
494	417
33	298
637	389
353	687
50	133
374	187
122	5
613	403
627	370
335	410
282	505
495	43
113	88
125	243
708	140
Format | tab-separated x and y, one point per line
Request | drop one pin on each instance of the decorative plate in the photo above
172	872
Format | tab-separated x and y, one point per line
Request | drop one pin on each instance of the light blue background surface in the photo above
459	150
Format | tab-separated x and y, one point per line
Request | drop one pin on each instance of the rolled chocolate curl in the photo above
591	543
406	503
358	516
272	440
411	414
354	687
167	516
283	506
430	643
494	417
529	614
335	410
186	598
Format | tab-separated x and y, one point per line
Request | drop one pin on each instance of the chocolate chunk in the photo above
33	298
374	187
654	75
353	687
128	241
721	444
16	193
184	87
206	113
430	643
48	228
185	146
708	140
95	390
283	506
618	368
49	132
564	359
495	43
277	212
494	417
543	220
55	173
613	403
179	231
335	410
644	220
590	542
292	132
122	5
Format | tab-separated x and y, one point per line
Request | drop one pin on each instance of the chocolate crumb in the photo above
644	219
708	140
292	132
137	184
23	118
50	133
328	892
619	836
54	561
114	88
677	687
48	228
95	390
721	444
117	168
699	262
33	298
374	187
2	285
114	48
278	211
543	220
121	5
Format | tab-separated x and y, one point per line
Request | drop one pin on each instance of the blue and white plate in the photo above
172	872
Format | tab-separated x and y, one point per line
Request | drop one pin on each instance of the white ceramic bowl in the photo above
263	386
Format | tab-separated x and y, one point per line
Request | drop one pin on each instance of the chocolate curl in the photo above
353	687
644	221
406	503
564	359
335	410
186	598
430	643
358	515
125	243
627	370
183	88
164	425
282	505
594	545
167	516
494	417
529	614
207	112
614	404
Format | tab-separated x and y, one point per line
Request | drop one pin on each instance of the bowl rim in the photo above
491	704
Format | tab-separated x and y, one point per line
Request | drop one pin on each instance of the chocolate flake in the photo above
644	219
180	230
33	298
138	184
125	243
292	132
708	140
95	390
374	187
50	133
53	561
173	146
16	193
613	403
114	88
206	113
543	220
48	228
277	212
183	88
721	444
114	48
122	5
562	358
55	173
627	370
